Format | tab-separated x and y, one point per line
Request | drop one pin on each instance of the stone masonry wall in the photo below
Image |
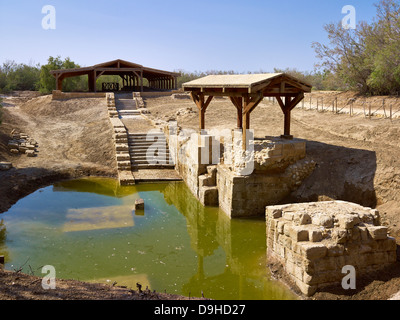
215	175
279	165
314	241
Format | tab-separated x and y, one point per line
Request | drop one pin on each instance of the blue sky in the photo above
243	36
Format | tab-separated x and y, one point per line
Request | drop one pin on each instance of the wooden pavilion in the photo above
132	75
246	92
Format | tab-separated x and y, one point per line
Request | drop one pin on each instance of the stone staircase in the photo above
126	106
149	151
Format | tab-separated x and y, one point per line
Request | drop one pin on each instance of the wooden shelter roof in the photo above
246	91
131	73
116	67
267	83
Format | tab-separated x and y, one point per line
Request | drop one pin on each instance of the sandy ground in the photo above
357	158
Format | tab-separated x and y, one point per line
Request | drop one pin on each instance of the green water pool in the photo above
87	229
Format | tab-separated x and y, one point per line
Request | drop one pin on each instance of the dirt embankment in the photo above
74	137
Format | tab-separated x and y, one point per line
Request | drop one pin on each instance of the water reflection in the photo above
86	228
242	274
3	247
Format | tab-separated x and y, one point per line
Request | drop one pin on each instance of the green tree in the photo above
15	76
48	82
366	59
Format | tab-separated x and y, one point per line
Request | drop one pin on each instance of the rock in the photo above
315	235
323	220
139	204
4	166
30	153
305	219
378	233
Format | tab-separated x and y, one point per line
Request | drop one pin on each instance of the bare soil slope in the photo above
74	136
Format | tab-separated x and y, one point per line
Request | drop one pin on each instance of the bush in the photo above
15	76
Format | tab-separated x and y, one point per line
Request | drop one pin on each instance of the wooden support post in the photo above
287	107
249	104
92	82
202	105
238	103
59	80
141	81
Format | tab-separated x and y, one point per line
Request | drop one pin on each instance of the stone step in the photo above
158	144
127	111
152	166
144	161
126	178
144	154
149	137
145	134
123	156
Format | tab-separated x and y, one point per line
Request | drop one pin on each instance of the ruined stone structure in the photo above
241	183
314	241
21	143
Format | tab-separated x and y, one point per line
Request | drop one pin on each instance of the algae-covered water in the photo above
87	229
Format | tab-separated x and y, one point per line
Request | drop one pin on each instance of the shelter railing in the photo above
110	86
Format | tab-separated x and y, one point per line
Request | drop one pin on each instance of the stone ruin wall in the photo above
314	241
279	165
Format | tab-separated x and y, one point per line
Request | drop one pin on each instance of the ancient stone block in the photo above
315	235
4	166
139	204
30	153
378	232
314	251
340	233
208	196
298	234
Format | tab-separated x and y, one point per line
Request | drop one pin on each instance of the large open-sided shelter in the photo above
246	91
131	73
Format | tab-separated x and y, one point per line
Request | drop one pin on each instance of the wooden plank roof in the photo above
251	83
118	66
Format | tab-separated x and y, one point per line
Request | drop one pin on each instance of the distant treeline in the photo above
14	76
366	60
